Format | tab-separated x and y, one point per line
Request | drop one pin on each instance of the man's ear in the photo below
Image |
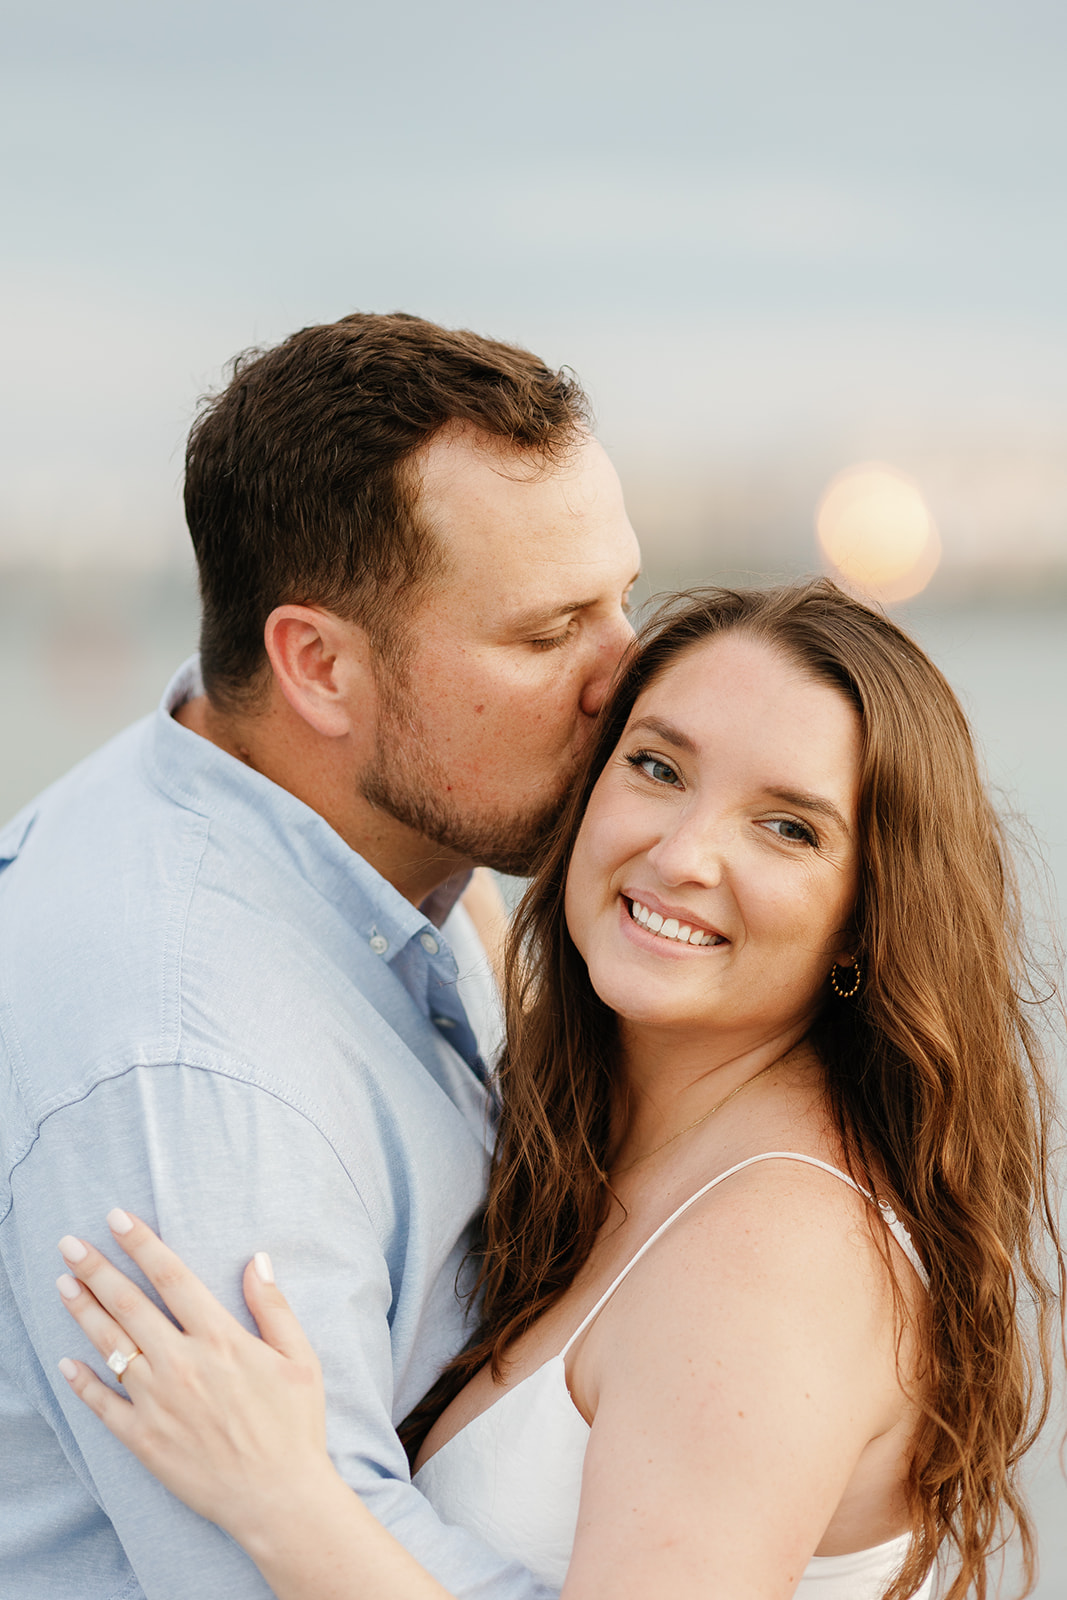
322	665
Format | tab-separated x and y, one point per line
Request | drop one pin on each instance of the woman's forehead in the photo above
738	664
739	695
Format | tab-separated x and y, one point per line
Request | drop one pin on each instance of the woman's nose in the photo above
692	851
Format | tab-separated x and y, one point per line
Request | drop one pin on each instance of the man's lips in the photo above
673	926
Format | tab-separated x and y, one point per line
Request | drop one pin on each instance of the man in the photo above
228	994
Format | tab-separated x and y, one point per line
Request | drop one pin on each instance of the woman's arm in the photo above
233	1425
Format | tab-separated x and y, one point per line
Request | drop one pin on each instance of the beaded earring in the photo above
857	975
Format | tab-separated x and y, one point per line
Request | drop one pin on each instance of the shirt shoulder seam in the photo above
236	1072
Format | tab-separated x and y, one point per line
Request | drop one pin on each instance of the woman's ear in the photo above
322	664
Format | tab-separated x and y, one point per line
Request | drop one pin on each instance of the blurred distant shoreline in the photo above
84	649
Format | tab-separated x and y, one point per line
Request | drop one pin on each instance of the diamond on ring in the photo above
118	1362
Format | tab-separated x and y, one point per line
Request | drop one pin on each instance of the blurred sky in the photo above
773	238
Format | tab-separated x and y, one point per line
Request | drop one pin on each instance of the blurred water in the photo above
82	655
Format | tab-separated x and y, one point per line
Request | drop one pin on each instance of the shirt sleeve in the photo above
222	1169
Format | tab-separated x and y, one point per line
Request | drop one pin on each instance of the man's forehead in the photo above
524	542
461	456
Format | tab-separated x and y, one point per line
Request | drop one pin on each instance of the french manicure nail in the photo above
264	1270
67	1368
118	1221
68	1287
72	1249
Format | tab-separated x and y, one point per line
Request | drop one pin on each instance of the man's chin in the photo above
513	846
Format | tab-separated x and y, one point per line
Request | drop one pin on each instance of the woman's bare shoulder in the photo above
778	1254
747	1360
783	1207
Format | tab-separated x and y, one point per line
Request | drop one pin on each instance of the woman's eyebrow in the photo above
666	731
811	802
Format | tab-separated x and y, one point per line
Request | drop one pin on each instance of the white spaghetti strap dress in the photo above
514	1473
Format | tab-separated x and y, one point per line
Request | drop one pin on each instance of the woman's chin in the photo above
641	999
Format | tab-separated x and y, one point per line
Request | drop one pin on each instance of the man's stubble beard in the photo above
406	782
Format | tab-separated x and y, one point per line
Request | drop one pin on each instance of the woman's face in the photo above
728	809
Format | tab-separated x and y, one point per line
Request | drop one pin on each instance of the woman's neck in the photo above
671	1084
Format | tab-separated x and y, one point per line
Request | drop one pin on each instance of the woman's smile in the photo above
677	927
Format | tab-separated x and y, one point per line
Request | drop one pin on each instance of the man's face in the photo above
509	656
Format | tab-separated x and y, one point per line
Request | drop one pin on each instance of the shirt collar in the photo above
210	780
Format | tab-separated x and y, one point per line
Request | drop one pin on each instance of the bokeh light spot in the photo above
877	533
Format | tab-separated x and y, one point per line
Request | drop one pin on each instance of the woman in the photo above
770	1176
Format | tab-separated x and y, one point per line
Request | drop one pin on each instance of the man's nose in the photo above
611	645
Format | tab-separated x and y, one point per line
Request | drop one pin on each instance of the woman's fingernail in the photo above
264	1270
68	1369
68	1287
118	1221
72	1249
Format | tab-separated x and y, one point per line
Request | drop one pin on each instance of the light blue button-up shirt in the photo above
215	1013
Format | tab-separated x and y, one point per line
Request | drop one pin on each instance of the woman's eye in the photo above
659	771
789	828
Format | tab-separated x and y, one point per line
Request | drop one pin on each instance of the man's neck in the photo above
280	747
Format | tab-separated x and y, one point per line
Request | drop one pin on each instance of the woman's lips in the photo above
678	929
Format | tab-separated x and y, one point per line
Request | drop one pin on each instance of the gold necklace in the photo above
725	1101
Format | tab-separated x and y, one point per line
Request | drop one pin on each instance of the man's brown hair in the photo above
297	486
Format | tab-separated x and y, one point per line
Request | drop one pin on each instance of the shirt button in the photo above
445	1022
429	943
379	944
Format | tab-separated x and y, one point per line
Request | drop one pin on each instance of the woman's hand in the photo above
233	1425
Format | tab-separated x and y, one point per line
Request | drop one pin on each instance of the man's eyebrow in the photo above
816	803
543	616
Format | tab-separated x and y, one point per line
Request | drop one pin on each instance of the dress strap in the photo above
889	1217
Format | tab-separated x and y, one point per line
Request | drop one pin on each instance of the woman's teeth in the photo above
671	928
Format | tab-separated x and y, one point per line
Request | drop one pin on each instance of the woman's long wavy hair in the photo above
936	1071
